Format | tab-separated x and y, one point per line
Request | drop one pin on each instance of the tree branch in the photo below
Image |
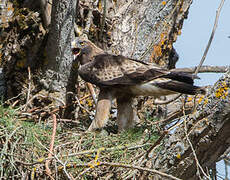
208	131
204	69
211	37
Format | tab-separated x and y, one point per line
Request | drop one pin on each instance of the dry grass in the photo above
25	147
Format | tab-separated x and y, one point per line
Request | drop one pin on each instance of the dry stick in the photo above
156	143
196	72
55	156
140	168
92	92
128	147
194	153
205	52
167	101
203	69
29	87
48	171
82	107
211	37
127	166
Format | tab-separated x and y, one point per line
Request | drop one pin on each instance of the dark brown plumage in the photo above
118	76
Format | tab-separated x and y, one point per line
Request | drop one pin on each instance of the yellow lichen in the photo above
100	6
222	91
90	103
189	99
205	101
200	99
41	160
163	2
178	156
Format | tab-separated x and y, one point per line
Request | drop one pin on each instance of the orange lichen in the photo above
163	2
156	51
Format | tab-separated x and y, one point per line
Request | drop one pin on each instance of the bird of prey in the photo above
123	78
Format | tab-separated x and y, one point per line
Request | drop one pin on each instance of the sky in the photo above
191	44
196	32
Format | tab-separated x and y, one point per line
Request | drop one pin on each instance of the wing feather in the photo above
110	70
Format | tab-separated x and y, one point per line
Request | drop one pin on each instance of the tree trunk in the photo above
208	129
59	57
146	30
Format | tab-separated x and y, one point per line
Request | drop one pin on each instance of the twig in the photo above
8	101
82	107
193	151
55	156
85	97
29	87
4	149
211	37
203	69
176	114
126	166
156	143
41	160
92	92
48	171
167	101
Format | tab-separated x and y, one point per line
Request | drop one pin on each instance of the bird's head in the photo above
84	50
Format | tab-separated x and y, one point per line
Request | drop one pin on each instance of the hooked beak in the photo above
76	52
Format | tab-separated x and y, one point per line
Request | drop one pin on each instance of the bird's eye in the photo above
82	43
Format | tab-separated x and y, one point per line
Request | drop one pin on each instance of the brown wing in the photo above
110	70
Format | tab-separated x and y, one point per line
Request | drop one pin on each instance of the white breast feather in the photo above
149	89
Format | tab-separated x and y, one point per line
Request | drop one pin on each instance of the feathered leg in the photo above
126	115
102	110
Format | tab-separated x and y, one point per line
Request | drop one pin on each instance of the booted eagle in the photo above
123	78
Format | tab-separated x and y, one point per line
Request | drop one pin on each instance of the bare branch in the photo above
204	69
167	101
48	171
92	92
125	166
211	37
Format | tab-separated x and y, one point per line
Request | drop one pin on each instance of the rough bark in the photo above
147	29
46	7
58	63
208	130
21	46
142	30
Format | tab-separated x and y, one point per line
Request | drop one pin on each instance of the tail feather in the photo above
181	82
182	77
181	87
